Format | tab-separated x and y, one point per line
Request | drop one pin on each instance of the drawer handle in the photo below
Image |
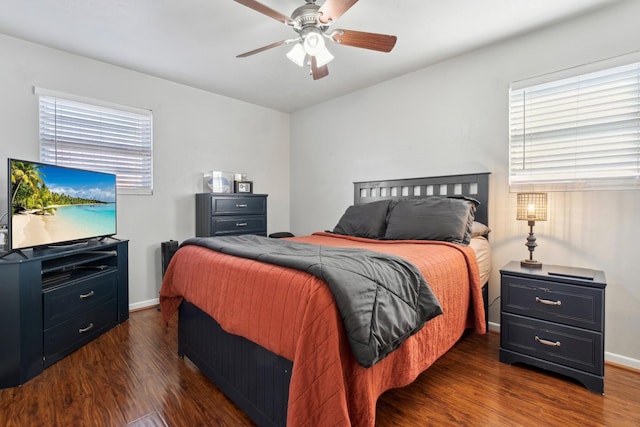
89	295
87	329
548	302
241	206
547	342
241	224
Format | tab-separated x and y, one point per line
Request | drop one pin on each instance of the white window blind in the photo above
577	133
98	136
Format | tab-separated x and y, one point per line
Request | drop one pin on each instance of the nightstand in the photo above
553	318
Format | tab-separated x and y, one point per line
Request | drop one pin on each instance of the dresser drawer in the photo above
73	333
238	205
573	305
227	225
574	347
62	303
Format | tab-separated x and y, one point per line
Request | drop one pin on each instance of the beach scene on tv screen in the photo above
51	204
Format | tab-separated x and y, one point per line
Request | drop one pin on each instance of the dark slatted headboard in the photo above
471	185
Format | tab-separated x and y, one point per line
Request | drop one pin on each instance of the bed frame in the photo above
254	378
470	185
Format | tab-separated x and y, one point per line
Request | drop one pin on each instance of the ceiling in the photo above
195	42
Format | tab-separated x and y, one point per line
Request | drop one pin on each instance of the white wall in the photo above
194	131
446	119
453	118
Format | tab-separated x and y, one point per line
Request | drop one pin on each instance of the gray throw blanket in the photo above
382	299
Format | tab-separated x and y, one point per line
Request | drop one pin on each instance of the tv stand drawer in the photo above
63	302
75	332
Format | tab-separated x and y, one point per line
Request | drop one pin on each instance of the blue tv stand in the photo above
54	301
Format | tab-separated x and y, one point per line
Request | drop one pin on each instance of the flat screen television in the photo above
51	205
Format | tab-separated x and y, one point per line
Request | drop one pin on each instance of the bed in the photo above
272	339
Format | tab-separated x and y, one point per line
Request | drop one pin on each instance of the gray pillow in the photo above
479	229
367	220
448	219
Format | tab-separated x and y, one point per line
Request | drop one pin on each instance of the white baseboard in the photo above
494	327
144	304
625	361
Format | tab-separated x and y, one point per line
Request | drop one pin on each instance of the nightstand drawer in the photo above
226	225
573	305
574	347
238	205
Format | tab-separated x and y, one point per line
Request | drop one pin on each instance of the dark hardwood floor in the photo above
132	376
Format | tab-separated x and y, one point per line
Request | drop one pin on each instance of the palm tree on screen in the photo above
25	176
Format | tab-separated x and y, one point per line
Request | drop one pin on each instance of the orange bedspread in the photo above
292	313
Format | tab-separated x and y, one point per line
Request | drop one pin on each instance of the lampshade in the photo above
323	57
314	45
532	207
297	55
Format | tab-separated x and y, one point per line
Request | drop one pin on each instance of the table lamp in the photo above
532	207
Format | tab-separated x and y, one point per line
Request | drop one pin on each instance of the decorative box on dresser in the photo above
54	301
226	214
553	318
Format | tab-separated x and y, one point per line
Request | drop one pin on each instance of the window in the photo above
99	136
578	129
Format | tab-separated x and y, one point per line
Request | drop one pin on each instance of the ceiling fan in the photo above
312	23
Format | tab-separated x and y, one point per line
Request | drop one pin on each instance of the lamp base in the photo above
530	263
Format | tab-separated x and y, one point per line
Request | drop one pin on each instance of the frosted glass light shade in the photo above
314	43
324	57
297	55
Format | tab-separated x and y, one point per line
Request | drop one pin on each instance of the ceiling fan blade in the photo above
318	72
373	41
265	10
331	10
261	49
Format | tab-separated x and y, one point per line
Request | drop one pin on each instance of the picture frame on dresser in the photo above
243	187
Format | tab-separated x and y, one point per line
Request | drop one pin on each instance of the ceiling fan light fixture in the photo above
324	57
314	43
297	54
311	23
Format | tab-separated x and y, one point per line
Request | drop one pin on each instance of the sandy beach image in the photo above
30	229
